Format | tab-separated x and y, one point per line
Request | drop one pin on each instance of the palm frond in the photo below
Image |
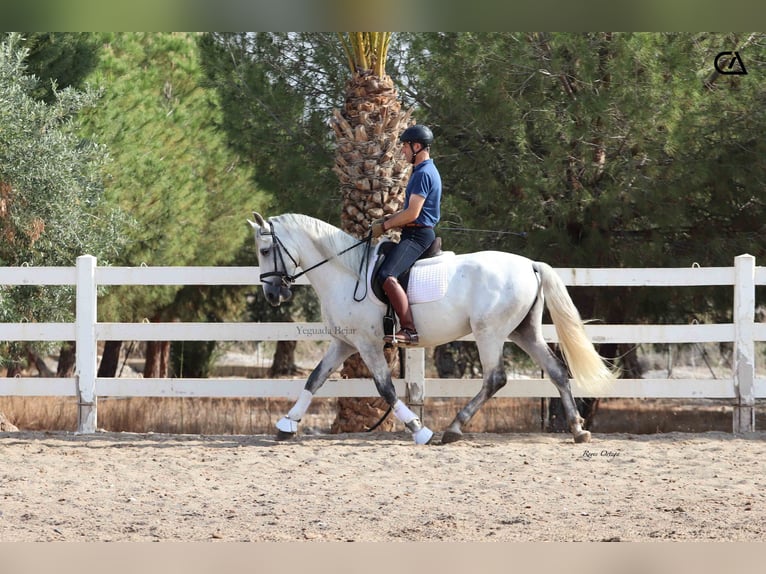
366	51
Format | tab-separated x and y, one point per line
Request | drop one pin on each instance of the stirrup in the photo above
405	336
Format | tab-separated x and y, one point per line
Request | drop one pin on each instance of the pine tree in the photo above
60	59
187	191
274	90
604	149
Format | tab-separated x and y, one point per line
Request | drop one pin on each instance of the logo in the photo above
729	63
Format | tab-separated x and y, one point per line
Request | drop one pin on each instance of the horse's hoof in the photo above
582	436
282	435
423	435
451	436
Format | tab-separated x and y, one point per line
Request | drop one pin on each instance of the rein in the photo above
288	279
516	233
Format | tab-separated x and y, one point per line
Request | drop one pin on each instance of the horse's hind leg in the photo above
531	341
338	352
495	378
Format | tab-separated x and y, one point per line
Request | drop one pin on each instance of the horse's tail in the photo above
587	366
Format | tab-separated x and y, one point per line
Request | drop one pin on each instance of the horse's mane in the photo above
329	239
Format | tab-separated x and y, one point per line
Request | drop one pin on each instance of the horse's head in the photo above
275	261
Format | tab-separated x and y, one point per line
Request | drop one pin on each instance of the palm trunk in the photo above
373	177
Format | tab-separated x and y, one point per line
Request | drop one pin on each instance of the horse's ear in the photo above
259	221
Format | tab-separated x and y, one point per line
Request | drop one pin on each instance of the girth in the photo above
434	250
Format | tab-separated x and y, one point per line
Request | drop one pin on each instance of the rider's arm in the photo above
406	216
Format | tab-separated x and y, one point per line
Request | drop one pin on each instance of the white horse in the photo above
492	294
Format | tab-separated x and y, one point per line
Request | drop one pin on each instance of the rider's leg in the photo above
398	298
414	242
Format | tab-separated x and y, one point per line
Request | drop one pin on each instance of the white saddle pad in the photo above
429	278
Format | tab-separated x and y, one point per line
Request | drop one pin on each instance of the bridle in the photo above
285	278
277	247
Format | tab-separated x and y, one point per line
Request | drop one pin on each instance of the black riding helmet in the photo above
417	134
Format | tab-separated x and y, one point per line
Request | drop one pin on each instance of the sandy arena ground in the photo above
382	488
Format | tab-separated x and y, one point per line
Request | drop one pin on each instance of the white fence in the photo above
742	386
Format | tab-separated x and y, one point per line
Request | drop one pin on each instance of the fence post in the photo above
744	345
85	333
414	377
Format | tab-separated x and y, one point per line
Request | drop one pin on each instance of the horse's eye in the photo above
265	251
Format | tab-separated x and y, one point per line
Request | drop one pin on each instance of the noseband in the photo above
285	278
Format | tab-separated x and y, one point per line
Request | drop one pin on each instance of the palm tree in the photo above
373	176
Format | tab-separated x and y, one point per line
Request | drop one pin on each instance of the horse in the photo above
494	295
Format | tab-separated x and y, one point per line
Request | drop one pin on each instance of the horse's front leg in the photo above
338	352
376	361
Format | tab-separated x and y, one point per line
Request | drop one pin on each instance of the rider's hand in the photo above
377	228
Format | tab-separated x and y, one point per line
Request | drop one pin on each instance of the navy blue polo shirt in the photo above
426	181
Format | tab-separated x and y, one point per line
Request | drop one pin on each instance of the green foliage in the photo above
188	192
60	59
52	206
277	91
607	149
366	51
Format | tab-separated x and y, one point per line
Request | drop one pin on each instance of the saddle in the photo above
434	250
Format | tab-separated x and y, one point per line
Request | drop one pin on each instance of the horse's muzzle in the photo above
277	294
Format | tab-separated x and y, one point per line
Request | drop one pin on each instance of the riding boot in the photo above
407	335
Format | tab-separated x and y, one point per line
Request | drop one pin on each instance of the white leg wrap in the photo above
294	416
421	434
403	413
287	425
301	406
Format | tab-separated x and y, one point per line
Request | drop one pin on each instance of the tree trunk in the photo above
4	422
157	359
283	364
110	359
15	369
67	360
373	176
39	363
453	360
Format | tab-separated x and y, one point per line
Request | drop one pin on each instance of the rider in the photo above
421	212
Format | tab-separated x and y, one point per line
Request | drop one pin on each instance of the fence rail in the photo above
742	386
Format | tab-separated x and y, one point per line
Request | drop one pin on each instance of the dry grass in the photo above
161	415
209	416
241	416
